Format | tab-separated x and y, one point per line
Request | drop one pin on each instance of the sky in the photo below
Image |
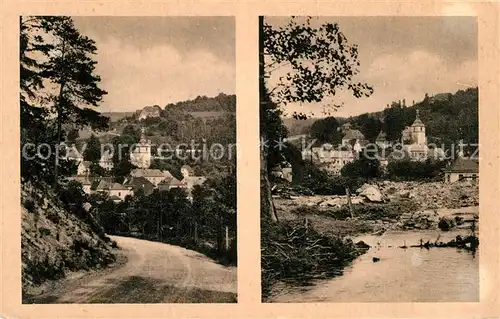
402	58
159	60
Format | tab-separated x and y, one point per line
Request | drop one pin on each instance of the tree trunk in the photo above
195	231
59	117
265	184
59	131
349	203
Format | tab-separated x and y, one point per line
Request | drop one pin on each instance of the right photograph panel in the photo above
369	159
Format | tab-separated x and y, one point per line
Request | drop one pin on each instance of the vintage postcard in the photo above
252	159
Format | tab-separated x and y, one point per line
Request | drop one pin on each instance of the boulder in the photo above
404	193
372	194
446	224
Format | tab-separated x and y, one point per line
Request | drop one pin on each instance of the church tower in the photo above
141	155
418	131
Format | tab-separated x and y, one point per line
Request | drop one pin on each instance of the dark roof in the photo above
464	165
149	172
117	186
353	134
141	183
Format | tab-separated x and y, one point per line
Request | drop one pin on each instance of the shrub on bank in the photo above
297	253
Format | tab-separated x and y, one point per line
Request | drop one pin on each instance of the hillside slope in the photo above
54	241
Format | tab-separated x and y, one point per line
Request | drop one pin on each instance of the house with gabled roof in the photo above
462	169
170	183
140	184
118	190
155	176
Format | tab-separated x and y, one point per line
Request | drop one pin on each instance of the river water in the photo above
401	275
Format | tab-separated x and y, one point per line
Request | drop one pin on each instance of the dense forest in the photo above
220	103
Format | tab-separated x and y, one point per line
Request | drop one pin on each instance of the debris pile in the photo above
432	195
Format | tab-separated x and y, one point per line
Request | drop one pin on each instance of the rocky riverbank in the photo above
378	207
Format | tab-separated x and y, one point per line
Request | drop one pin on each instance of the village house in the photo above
284	171
462	169
155	176
83	168
106	161
149	111
85	181
328	157
139	184
118	192
190	180
382	141
352	135
171	183
72	154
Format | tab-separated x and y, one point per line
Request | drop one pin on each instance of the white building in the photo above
140	155
155	176
119	191
415	142
329	158
462	169
83	168
106	161
150	111
352	135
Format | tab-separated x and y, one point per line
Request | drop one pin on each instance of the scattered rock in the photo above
372	194
362	245
446	224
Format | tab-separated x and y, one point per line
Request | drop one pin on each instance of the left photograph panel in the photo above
128	159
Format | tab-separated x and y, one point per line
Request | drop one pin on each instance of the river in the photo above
401	275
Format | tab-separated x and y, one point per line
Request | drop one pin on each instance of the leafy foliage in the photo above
321	59
326	130
409	170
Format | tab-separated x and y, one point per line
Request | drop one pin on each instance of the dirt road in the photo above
149	272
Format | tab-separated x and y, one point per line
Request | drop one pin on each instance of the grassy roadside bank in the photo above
225	258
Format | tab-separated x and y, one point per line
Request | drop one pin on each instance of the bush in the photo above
322	182
414	171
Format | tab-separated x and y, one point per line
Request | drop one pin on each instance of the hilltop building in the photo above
140	156
149	111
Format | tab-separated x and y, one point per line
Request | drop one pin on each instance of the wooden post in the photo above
349	204
227	238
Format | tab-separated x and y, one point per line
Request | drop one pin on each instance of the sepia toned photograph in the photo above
369	159
128	159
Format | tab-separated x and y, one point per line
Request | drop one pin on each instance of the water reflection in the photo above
400	275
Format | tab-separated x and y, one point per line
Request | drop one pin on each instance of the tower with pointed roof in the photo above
140	156
417	130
